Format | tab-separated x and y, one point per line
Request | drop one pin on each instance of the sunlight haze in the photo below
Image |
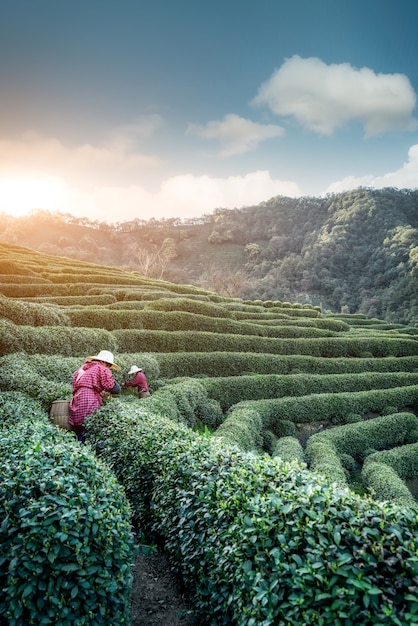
116	111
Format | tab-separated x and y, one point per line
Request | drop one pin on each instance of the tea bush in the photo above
258	541
380	433
243	427
62	340
32	314
105	299
323	458
386	485
403	459
230	390
186	341
199	307
288	449
225	363
332	407
66	538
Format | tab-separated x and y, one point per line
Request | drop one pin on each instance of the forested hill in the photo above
352	252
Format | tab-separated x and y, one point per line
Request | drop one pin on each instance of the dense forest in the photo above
353	252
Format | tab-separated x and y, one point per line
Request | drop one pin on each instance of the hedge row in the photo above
94	317
187	364
258	541
17	290
21	278
74	300
229	390
386	485
323	458
403	459
325	451
174	364
288	449
185	341
32	314
67	546
251	306
54	340
333	407
200	307
282	320
379	433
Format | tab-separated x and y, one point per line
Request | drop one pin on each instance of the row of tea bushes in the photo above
386	485
62	340
32	314
102	300
199	307
207	364
289	449
258	541
337	449
66	539
379	433
404	459
19	373
284	320
223	363
384	473
334	408
229	390
94	317
22	278
185	341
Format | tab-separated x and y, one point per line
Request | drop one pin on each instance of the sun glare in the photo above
20	195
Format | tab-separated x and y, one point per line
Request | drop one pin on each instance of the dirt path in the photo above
157	597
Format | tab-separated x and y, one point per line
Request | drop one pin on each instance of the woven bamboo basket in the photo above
59	413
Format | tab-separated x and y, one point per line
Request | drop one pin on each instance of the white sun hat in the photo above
134	369
107	357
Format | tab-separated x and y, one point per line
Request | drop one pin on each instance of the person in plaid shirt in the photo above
139	380
91	383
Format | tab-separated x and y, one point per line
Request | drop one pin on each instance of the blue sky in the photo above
124	109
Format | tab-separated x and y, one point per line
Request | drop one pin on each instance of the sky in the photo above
118	110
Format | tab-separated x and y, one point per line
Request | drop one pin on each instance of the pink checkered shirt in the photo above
88	381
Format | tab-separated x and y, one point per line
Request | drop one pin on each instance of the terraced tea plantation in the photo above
276	460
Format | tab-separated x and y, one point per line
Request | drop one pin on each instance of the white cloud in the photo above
324	97
183	196
406	177
236	134
86	165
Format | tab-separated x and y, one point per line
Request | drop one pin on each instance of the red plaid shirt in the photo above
88	381
139	380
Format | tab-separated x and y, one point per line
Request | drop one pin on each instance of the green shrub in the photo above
289	449
402	459
27	313
229	390
331	406
197	307
209	412
243	428
380	433
259	541
323	458
386	485
55	340
66	539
